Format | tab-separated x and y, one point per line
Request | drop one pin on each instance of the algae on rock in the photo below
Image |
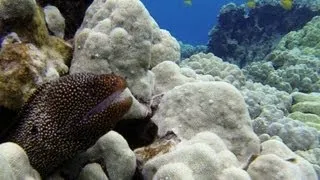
29	55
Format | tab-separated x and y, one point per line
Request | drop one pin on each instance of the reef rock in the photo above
23	67
120	36
29	55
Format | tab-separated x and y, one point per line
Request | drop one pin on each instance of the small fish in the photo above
251	4
188	2
293	160
250	160
286	4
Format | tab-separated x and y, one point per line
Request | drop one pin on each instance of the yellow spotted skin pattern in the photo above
52	127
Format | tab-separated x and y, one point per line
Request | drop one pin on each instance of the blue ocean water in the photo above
189	24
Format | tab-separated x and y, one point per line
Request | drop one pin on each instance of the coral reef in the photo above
295	134
259	97
313	156
305	41
121	37
192	118
292	78
66	116
267	106
221	163
211	65
242	37
188	50
306	109
268	109
294	64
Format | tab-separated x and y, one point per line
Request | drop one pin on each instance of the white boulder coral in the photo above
118	158
15	163
174	171
120	36
234	174
278	162
112	151
209	64
167	76
208	106
258	97
268	108
92	171
199	158
54	20
295	134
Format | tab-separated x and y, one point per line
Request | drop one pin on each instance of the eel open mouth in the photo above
104	104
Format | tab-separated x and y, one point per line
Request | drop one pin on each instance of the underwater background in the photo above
188	23
153	90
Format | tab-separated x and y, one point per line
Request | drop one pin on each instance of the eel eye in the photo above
34	130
